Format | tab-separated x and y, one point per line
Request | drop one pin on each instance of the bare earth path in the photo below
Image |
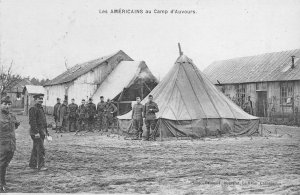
102	164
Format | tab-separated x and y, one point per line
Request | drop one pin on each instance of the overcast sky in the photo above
39	36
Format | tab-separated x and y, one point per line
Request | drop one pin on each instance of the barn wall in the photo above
81	91
297	95
53	92
97	75
274	98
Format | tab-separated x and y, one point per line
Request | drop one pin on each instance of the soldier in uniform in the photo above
100	113
150	118
38	132
63	115
248	106
81	112
137	118
55	112
110	109
91	113
8	124
73	115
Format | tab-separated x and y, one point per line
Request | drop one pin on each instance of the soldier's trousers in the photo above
109	122
56	122
72	124
91	123
5	158
65	124
37	159
137	126
101	121
81	124
150	125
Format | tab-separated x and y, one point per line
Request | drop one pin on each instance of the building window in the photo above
47	94
286	93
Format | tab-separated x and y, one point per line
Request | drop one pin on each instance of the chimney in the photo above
293	61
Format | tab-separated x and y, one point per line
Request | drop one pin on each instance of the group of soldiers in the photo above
88	115
102	116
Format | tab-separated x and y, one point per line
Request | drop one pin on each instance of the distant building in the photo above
272	80
112	76
29	91
16	95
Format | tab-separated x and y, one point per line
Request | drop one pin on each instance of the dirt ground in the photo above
97	163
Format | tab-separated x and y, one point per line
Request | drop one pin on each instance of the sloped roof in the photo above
122	77
34	89
265	67
186	93
80	69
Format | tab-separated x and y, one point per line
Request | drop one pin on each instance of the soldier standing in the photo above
55	112
110	109
137	118
82	112
8	124
248	106
63	113
38	132
73	115
150	118
100	112
91	113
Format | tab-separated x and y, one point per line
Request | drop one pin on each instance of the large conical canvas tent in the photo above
191	106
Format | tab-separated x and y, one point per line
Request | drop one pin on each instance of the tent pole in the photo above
160	136
180	51
142	89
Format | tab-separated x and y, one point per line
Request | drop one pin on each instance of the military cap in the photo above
36	96
72	99
90	99
5	100
57	98
83	100
101	97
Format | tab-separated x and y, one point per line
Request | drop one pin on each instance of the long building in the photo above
272	81
98	77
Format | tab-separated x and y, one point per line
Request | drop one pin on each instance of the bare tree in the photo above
7	79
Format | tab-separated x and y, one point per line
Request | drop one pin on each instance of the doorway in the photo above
262	103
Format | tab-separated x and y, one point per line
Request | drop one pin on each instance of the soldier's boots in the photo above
43	169
3	189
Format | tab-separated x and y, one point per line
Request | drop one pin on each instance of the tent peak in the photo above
184	59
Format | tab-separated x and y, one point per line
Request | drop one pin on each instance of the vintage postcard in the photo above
150	97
